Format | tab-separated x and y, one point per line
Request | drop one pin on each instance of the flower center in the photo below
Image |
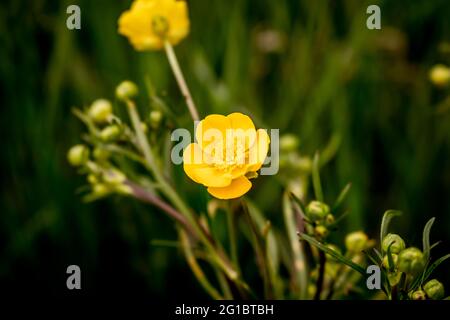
160	26
229	157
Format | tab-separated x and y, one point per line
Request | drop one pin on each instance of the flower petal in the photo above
258	152
199	171
236	189
210	129
243	125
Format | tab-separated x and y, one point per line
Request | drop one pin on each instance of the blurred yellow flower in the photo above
229	151
151	22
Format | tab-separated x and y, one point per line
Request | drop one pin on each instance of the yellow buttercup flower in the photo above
151	22
229	151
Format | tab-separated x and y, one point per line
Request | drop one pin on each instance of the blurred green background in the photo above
310	68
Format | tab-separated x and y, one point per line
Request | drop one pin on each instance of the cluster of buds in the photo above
319	214
407	260
294	167
106	129
433	290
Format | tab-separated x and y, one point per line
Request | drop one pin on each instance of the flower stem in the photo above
201	277
232	236
170	193
319	286
173	61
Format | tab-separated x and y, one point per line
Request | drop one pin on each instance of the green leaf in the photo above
387	217
380	256
342	196
372	258
434	266
316	178
301	272
426	239
435	244
390	259
333	253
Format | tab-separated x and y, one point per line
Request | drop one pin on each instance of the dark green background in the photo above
332	77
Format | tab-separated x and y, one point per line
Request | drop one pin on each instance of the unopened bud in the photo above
155	118
114	176
418	295
92	179
386	261
100	110
411	261
317	210
440	75
101	154
356	241
321	231
78	155
110	133
100	189
434	289
394	241
126	90
288	143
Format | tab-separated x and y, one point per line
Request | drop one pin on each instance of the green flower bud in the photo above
92	179
110	133
123	189
317	210
100	189
100	110
386	261
356	241
329	219
440	75
395	241
288	143
418	295
394	278
114	176
321	231
101	154
144	127
411	261
155	118
78	155
126	90
434	290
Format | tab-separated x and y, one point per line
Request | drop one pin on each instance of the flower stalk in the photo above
173	61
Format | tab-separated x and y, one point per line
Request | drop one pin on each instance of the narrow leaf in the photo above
387	217
434	266
333	253
426	238
342	196
316	178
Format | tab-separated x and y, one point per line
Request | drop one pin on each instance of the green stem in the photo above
232	236
170	193
319	286
173	61
299	266
201	277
